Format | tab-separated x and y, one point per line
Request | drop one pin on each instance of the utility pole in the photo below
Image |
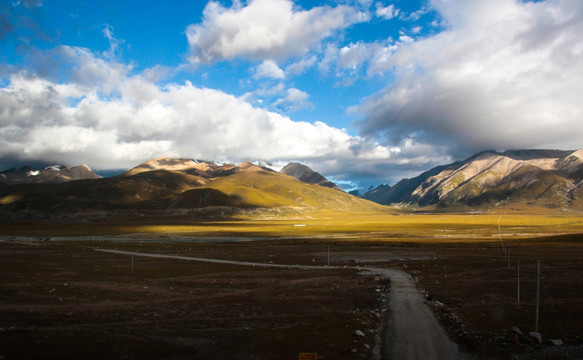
518	284
537	295
500	234
508	256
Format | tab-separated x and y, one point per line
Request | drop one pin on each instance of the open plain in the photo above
60	298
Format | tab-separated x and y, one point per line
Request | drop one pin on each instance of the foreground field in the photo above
68	301
60	298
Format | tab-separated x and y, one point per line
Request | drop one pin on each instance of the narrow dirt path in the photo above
413	331
216	261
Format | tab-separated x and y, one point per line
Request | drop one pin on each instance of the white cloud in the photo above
264	29
268	69
117	124
302	65
386	12
505	74
114	43
80	66
355	60
29	3
354	55
295	100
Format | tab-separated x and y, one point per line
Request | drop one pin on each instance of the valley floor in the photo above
59	298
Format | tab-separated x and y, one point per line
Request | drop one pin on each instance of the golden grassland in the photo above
376	226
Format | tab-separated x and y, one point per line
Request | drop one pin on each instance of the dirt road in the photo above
215	261
413	332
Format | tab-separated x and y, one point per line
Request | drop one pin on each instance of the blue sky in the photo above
363	91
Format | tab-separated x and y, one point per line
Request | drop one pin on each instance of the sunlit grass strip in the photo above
407	227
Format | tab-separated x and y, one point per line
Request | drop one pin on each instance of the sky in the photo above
365	92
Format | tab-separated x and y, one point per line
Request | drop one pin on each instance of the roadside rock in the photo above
556	342
537	337
359	333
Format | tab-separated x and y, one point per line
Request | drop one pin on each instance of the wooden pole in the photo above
500	234
537	295
508	255
518	283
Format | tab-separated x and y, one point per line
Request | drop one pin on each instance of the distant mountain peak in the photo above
307	175
50	174
549	178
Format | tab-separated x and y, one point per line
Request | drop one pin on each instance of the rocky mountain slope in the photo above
307	175
51	175
177	185
548	178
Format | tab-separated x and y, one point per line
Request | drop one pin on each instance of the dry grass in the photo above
374	225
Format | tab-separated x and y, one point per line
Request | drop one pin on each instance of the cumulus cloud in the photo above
264	29
354	55
117	124
386	12
295	100
268	69
504	74
302	65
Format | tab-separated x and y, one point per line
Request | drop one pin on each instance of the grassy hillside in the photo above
265	189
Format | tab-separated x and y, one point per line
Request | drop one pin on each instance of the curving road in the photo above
412	332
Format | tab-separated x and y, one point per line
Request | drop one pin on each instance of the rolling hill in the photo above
547	178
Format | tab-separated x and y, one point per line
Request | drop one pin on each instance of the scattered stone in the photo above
516	330
359	333
536	336
556	342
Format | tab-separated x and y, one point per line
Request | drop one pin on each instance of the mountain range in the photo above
547	178
177	185
551	179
